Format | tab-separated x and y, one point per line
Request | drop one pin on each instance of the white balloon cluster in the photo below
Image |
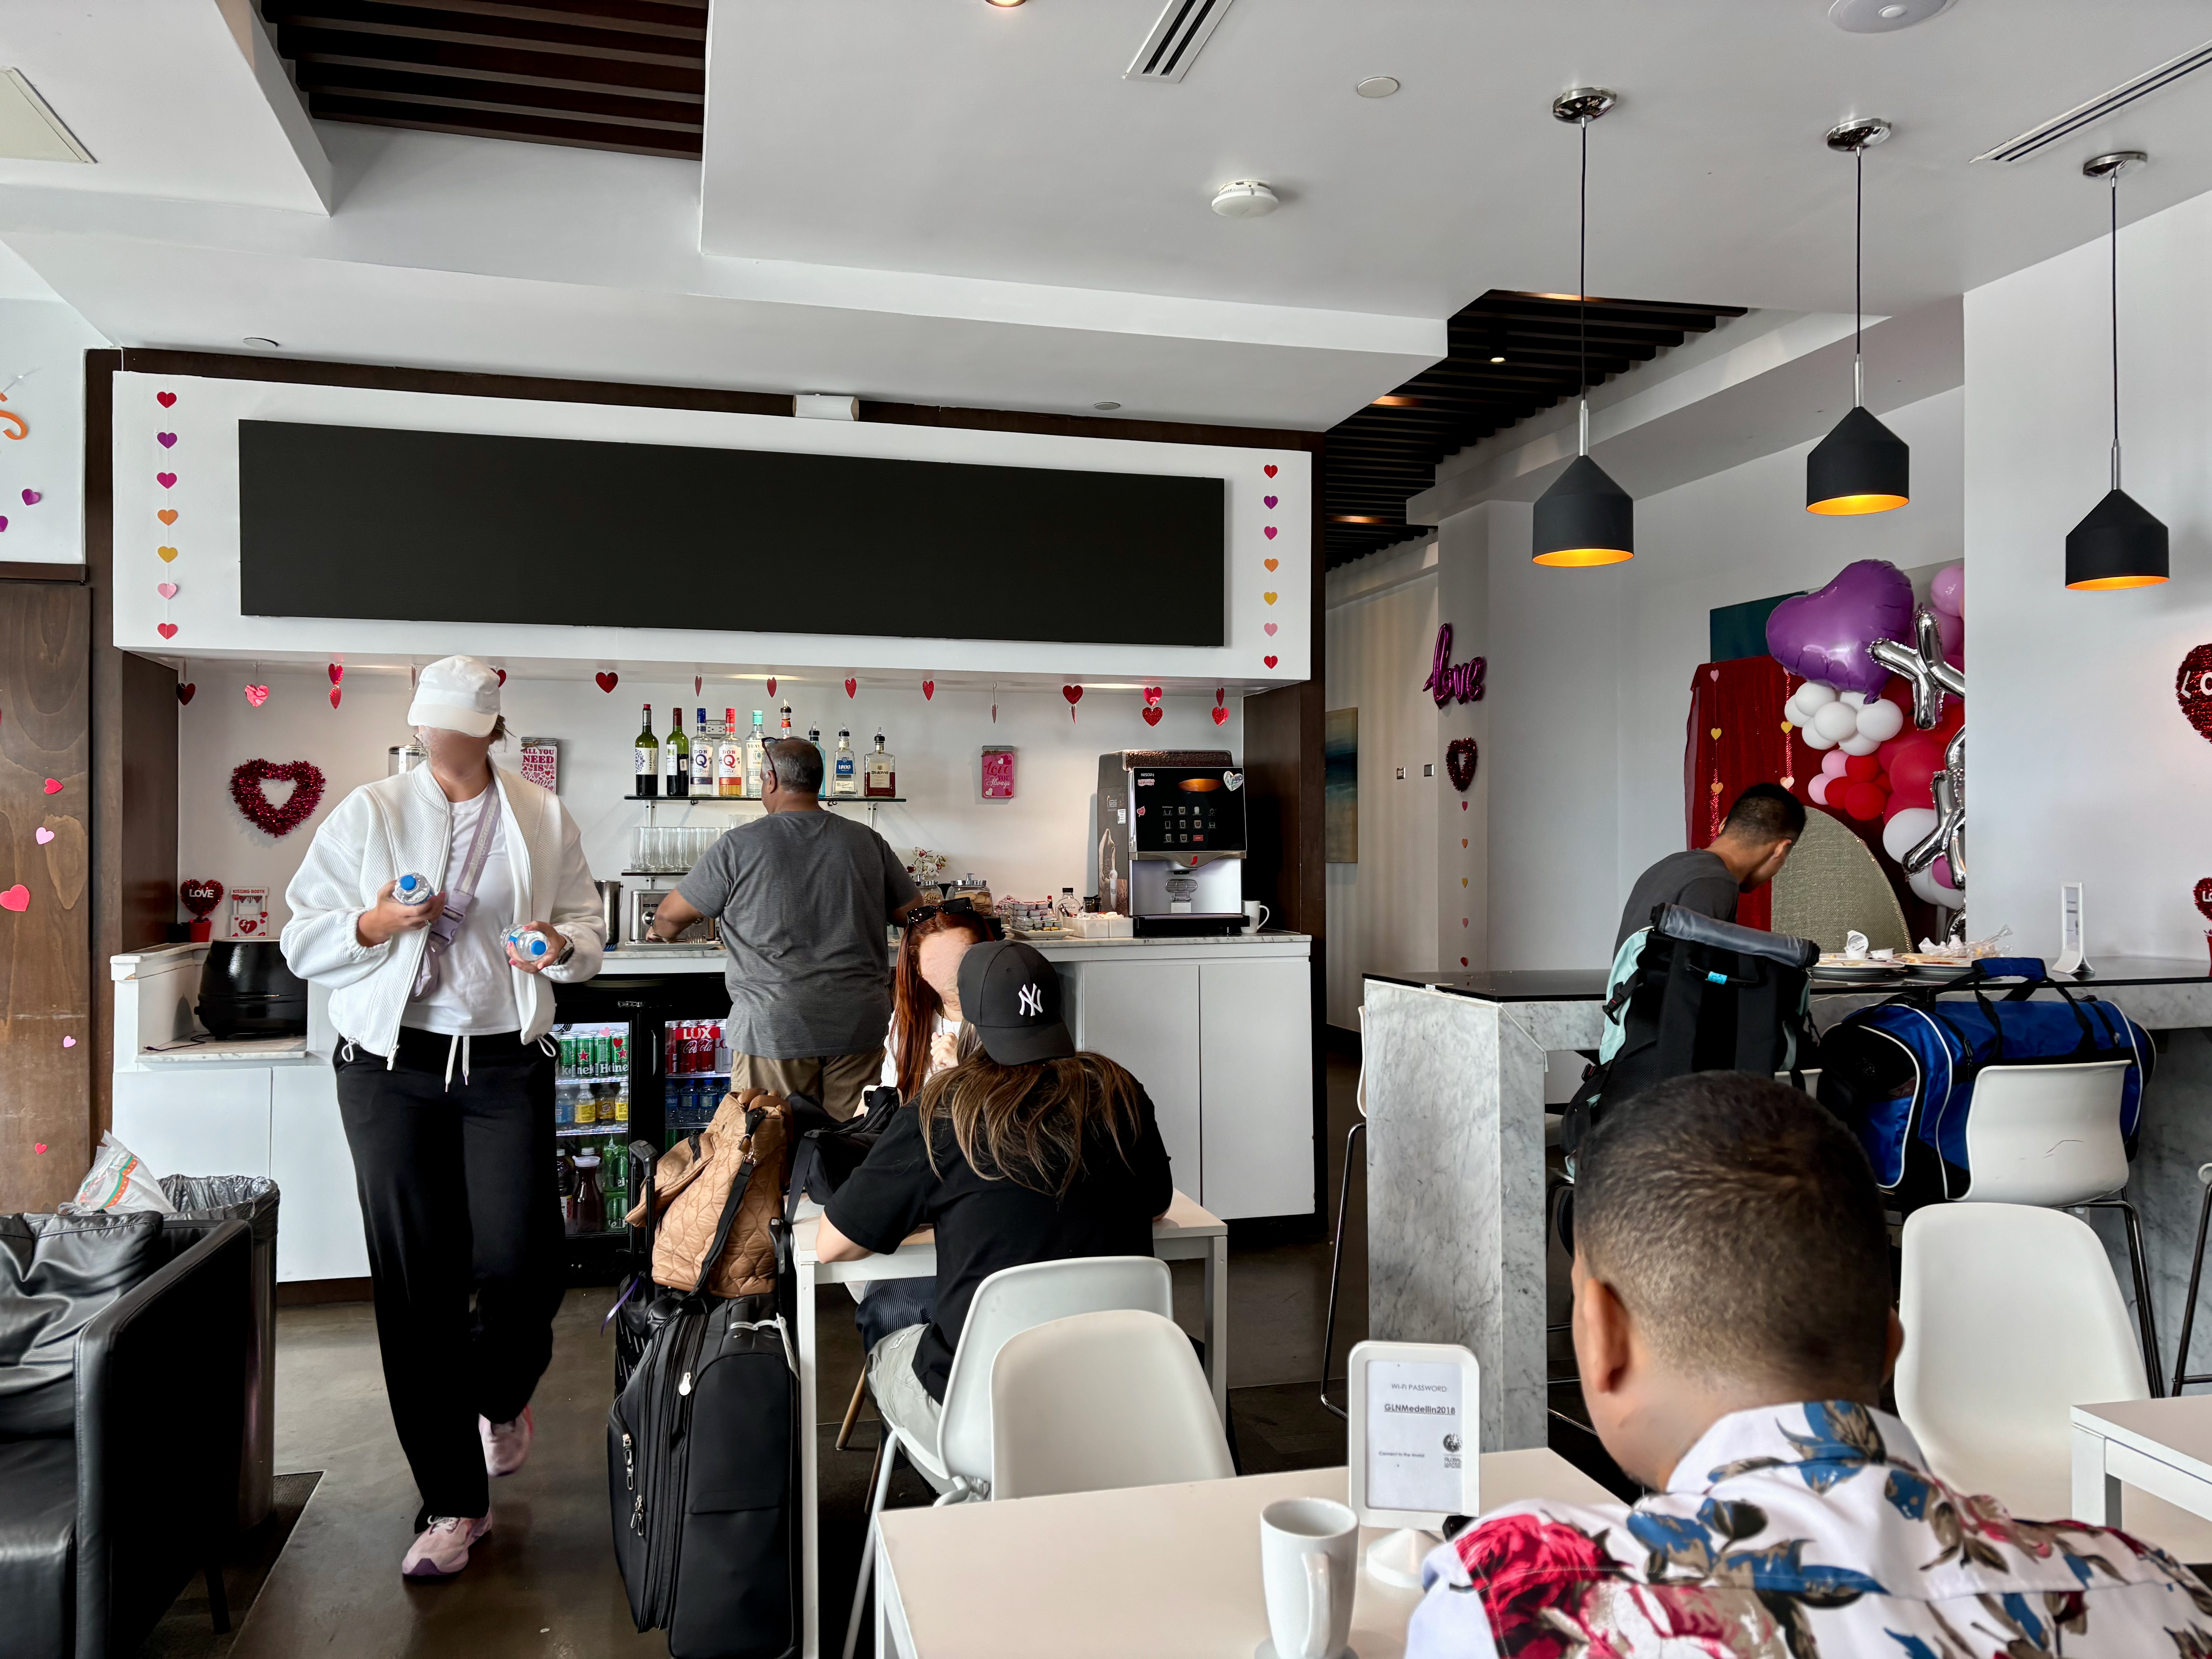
1850	721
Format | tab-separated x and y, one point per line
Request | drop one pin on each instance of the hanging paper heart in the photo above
852	687
336	693
337	671
67	1043
1221	717
166	400
167	590
1271	598
1463	840
1462	962
167	630
1271	564
257	695
607	681
16	898
166	554
32	497
185	692
1713	674
52	786
167	440
1460	757
1268	500
42	835
1786	779
1269	628
167	515
39	1146
1151	716
1073	693
306	779
4	521
167	480
699	685
929	689
771	685
1716	734
1151	696
2204	898
1269	532
1220	696
1270	661
1269	469
200	896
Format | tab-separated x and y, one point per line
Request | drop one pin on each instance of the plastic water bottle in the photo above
412	888
529	946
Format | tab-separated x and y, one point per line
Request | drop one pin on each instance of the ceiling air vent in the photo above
2036	139
1174	43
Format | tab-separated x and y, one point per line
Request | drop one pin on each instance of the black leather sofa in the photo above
123	1380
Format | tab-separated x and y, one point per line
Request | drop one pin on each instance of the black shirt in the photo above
983	1225
1697	881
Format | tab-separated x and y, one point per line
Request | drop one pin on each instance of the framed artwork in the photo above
1340	749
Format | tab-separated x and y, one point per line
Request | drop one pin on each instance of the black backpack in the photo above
1702	996
702	1468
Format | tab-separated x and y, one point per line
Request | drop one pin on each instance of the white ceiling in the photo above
943	201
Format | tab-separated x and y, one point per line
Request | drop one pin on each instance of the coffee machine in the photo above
1172	840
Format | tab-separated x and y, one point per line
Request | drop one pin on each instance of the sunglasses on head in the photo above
957	907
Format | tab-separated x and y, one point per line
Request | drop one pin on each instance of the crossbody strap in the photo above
460	894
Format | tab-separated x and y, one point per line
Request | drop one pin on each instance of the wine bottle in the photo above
648	757
675	769
729	758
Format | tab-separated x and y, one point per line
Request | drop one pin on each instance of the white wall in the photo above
1028	848
42	347
1462	823
1589	670
2081	766
1382	910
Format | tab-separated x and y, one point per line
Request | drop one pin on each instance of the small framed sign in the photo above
541	763
249	913
1412	1445
2073	958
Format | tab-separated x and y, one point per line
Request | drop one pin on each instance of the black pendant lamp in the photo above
2118	545
1861	466
1585	517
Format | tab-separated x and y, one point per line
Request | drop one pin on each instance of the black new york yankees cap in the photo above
1010	995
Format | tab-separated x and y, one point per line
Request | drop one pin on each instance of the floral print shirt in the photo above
1794	1531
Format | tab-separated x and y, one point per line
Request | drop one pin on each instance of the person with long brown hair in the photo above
1024	1150
925	1034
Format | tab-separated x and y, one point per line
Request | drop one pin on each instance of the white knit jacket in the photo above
384	829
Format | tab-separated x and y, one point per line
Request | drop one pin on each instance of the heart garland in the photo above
1151	696
185	692
929	689
307	781
852	687
200	897
608	681
257	695
1151	715
1460	757
1074	694
771	685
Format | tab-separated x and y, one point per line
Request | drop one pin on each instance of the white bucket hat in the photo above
456	694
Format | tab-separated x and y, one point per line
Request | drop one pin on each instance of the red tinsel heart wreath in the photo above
1460	756
306	779
2193	688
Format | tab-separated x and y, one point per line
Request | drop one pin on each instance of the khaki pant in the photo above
900	1398
835	1081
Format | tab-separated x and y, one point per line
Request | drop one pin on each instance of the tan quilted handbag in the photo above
690	1192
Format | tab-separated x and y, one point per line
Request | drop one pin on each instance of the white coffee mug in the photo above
1255	915
1308	1549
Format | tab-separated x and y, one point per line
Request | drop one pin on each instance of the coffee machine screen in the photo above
1185	812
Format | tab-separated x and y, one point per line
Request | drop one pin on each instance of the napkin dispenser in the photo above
1172	840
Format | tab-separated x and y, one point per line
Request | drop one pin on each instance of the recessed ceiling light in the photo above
1883	17
1245	198
1110	403
1377	86
1353	518
1003	4
259	340
1497	360
1394	401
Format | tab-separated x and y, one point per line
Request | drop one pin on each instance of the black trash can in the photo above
252	1199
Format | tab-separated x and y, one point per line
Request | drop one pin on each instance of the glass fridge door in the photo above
695	1056
591	1125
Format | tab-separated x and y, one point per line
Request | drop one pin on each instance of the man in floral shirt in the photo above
1733	1328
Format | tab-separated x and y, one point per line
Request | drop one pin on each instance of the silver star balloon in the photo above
1922	663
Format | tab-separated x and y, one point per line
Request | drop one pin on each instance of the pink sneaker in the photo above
506	1444
441	1549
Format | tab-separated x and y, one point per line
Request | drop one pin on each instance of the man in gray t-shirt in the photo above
802	897
1762	826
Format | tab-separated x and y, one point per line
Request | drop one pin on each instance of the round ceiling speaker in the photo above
1883	17
1245	198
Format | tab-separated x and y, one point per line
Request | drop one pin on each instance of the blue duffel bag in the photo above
1901	1073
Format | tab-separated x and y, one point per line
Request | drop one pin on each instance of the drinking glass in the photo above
641	857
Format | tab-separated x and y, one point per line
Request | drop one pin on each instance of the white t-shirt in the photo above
475	992
938	1026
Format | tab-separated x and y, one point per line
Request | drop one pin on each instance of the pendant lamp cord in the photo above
2115	239
1582	290
1858	277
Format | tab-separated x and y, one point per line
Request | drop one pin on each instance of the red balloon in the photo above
1863	801
1915	764
1861	768
1881	781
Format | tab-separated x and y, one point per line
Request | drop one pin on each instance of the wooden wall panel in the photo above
47	1011
148	836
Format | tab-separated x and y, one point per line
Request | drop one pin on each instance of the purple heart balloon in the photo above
1824	636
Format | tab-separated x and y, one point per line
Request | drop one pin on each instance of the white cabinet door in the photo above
1255	1024
188	1119
317	1210
1145	1015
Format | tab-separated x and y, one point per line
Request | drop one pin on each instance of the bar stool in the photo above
2182	1377
1343	1195
2049	1136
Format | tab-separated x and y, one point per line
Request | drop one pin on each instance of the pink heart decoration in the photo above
167	480
337	671
336	693
1269	469
3	522
16	898
1270	532
1073	693
42	835
1270	661
1271	630
167	630
607	682
1221	717
32	497
185	692
54	786
1151	696
1713	674
852	687
167	590
257	695
1268	500
39	1146
167	440
166	400
67	1043
1152	715
929	689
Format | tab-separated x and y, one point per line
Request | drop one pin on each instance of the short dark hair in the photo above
798	764
1766	812
1740	1224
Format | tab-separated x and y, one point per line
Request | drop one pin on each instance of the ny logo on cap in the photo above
1032	1000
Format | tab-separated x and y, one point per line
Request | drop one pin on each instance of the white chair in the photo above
1099	1402
1011	1301
2012	1317
2050	1135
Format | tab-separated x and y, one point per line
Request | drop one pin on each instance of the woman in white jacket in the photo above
445	1083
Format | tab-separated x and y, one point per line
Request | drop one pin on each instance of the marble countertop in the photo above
1588	984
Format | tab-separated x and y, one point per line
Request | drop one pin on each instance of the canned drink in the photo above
412	888
568	1055
621	1042
670	1047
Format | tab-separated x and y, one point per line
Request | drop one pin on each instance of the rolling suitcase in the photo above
702	1471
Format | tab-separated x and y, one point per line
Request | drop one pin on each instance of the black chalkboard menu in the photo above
449	526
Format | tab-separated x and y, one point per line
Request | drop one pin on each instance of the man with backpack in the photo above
1749	852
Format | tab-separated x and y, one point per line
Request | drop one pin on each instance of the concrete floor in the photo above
544	1584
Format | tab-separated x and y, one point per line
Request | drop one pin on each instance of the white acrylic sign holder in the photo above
2072	957
1395	1557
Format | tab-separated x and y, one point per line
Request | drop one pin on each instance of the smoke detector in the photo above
1883	17
1245	198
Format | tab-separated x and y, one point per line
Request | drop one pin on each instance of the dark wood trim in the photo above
315	1293
107	731
1090	425
25	571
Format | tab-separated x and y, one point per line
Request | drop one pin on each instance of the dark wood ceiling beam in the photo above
534	129
501	64
360	81
627	22
669	127
397	23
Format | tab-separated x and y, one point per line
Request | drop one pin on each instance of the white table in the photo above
2162	1446
1158	1571
1186	1233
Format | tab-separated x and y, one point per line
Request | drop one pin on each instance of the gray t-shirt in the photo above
1697	881
802	899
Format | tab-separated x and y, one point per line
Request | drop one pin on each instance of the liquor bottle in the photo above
881	780
729	758
846	771
757	758
814	737
703	759
786	733
648	757
676	768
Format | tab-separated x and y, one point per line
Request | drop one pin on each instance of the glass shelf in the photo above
755	800
594	1131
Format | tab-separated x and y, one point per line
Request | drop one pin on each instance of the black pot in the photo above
247	991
